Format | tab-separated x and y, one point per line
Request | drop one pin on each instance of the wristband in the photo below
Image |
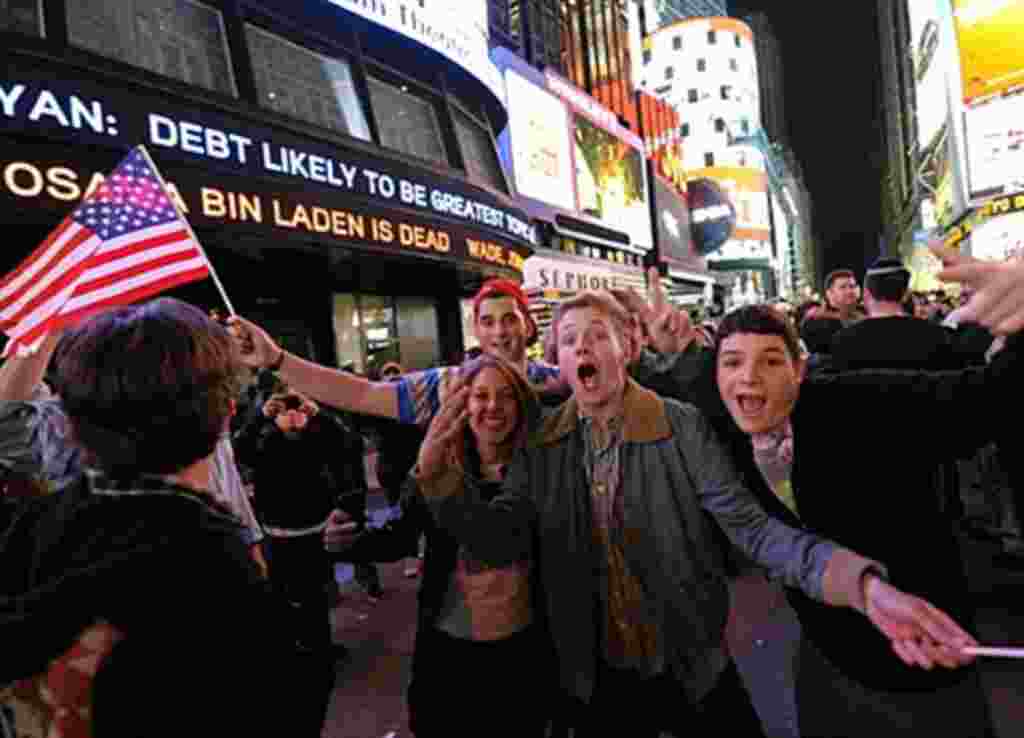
275	365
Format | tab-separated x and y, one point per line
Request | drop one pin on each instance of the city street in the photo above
368	701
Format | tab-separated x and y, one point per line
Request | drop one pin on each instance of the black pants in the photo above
624	704
300	569
493	688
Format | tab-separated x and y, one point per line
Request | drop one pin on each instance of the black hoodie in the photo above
167	568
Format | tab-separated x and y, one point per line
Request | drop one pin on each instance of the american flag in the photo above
126	241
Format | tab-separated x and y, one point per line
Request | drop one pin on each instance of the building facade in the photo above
337	163
706	68
663	12
898	126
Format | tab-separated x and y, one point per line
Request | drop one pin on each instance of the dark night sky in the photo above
831	56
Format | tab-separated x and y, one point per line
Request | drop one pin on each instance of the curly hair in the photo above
147	388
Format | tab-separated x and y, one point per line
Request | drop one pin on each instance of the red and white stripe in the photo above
43	282
94	275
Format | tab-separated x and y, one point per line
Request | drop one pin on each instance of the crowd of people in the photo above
177	488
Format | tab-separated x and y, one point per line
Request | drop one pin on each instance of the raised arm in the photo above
333	387
21	375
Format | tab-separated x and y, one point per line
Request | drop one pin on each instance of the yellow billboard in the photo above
991	55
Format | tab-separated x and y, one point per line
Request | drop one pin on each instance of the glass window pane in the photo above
407	123
482	164
377	315
348	332
418	337
182	39
21	16
306	85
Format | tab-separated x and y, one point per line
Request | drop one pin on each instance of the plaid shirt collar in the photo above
150	485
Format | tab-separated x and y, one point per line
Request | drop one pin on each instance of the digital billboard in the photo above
571	157
712	215
610	180
675	240
747	190
991	56
995	147
61	135
542	152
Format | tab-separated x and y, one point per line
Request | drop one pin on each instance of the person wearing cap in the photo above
503	326
889	338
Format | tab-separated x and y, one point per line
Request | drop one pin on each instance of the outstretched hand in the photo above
998	301
920	633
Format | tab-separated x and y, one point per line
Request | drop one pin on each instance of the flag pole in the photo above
199	245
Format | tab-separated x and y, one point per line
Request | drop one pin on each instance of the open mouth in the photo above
587	374
751	404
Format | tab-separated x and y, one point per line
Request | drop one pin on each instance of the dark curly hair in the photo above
147	388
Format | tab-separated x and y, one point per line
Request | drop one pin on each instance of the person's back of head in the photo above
147	388
817	333
887	281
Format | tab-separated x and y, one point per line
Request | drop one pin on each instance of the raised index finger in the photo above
656	291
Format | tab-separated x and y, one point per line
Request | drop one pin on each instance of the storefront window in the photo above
177	38
305	85
371	330
468	335
482	164
419	343
348	334
21	16
407	123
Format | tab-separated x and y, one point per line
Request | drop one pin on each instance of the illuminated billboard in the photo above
747	189
712	216
259	179
675	238
570	156
991	55
995	147
458	29
610	180
542	155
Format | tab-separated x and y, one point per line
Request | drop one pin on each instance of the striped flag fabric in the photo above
126	241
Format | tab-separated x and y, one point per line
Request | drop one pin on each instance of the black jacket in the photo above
166	567
299	481
859	480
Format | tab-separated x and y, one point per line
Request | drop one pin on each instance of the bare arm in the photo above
338	389
20	375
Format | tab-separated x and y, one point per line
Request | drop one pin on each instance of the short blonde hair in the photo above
601	300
